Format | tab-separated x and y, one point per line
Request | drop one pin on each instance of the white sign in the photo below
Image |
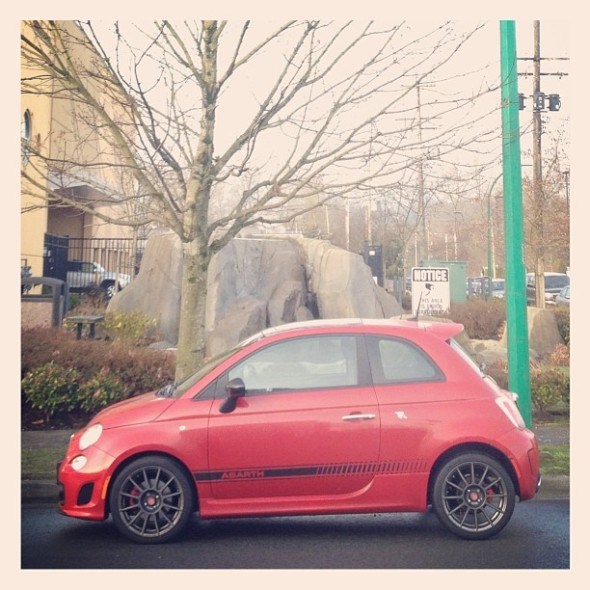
431	291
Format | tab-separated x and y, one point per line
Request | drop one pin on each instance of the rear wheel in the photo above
473	496
151	500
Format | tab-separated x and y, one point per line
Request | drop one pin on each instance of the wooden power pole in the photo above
538	197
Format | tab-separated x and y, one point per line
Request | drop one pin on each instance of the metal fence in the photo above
116	255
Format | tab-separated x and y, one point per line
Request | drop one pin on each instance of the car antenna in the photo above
414	318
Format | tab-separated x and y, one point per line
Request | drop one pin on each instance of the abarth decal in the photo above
347	469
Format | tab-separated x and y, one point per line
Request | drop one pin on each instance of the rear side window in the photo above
394	360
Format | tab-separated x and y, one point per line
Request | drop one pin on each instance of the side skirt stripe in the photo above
381	468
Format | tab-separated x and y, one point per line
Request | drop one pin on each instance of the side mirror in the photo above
236	388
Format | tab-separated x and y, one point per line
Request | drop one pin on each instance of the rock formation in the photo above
254	283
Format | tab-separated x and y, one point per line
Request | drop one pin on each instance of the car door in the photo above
308	424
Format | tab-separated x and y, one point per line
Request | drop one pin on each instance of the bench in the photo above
85	320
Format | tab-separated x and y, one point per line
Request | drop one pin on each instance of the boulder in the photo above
155	291
245	317
543	333
254	283
343	284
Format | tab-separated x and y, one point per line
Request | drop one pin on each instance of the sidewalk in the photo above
552	487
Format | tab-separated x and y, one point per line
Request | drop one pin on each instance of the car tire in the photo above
473	496
151	500
110	290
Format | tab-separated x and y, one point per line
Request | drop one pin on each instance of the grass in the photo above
555	459
40	464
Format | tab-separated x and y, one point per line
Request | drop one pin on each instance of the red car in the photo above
322	417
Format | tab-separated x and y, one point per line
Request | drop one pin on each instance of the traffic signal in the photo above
554	102
538	101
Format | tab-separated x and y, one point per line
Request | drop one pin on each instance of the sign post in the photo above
431	291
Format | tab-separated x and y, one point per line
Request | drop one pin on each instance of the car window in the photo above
554	282
398	361
311	362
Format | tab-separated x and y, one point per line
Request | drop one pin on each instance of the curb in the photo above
553	487
39	492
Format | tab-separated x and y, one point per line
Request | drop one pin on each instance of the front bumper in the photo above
82	493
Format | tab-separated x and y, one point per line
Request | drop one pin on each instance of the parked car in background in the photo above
554	283
474	287
498	288
84	276
320	417
563	297
484	287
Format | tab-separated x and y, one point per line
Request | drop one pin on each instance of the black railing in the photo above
117	256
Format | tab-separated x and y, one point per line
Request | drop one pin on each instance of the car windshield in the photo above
176	390
554	282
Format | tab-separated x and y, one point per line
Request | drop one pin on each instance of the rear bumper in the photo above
522	449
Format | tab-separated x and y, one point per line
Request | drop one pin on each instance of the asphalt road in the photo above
536	538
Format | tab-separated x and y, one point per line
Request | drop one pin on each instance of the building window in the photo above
26	134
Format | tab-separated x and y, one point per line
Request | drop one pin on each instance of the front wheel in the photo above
151	500
110	290
473	496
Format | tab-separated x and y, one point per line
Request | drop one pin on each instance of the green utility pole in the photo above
515	291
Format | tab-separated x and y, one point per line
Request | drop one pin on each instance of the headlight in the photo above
90	436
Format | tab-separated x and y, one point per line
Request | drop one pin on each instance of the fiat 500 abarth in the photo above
322	417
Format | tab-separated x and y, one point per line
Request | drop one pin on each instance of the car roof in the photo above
549	274
442	329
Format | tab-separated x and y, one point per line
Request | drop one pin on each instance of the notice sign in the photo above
431	291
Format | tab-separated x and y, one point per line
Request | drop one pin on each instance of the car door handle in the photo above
351	417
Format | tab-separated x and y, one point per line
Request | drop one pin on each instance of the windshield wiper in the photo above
167	390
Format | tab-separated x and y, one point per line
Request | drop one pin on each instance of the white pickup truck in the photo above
83	276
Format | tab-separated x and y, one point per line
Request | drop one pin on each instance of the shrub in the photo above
133	327
140	369
51	388
560	357
101	390
549	387
499	372
482	320
562	316
67	379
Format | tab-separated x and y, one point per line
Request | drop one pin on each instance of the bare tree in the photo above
547	220
275	116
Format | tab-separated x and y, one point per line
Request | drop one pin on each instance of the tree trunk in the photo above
195	252
191	333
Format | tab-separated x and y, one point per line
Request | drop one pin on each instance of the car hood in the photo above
136	410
